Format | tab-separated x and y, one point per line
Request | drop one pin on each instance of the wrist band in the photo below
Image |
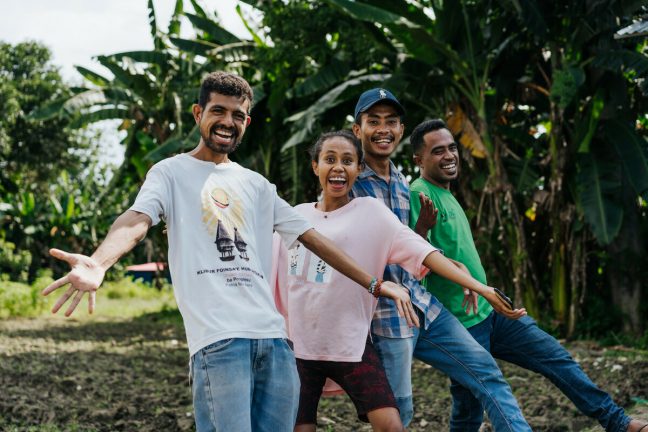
376	292
372	285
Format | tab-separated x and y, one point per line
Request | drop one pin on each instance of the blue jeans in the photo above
523	343
245	385
447	346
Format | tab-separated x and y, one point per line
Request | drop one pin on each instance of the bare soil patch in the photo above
131	375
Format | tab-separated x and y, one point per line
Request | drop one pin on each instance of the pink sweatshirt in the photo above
327	314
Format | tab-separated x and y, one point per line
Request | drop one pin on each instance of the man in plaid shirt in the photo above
440	341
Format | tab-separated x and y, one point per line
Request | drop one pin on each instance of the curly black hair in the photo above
226	84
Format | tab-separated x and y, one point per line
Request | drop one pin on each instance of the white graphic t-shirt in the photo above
220	220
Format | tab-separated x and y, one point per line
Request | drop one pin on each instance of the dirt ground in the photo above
131	375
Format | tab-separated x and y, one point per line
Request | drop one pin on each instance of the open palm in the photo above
86	275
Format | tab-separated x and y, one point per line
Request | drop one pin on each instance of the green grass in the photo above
43	428
122	298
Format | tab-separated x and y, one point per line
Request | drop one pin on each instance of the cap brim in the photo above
398	106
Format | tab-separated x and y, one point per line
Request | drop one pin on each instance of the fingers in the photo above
406	310
465	304
55	285
514	314
64	256
411	317
427	204
63	299
75	302
401	311
414	317
91	301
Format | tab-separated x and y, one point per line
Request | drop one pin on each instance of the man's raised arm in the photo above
88	272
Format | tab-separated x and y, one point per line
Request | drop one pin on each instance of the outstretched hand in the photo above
470	301
401	297
501	305
85	276
427	216
470	297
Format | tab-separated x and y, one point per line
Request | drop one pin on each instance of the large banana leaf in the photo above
216	33
412	11
159	58
328	75
109	113
633	152
366	12
235	52
48	110
620	61
587	124
138	83
84	100
155	33
304	121
598	192
174	145
197	47
418	41
174	23
255	37
91	76
198	9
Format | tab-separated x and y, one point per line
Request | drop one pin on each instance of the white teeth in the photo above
337	179
449	166
223	134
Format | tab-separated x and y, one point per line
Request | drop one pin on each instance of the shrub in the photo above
21	299
14	264
126	288
18	299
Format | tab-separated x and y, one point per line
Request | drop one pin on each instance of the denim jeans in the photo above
447	346
523	343
245	385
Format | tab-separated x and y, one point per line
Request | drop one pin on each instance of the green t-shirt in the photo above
452	235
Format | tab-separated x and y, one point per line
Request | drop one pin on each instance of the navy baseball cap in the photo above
374	96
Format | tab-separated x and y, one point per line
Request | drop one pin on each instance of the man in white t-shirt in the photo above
220	218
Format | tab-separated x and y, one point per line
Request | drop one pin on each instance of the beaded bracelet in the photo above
376	292
372	285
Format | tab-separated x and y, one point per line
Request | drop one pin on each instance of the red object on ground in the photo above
151	267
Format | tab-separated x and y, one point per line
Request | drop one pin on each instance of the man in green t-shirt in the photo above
521	341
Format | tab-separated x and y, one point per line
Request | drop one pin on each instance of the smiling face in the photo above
380	130
337	168
222	122
438	158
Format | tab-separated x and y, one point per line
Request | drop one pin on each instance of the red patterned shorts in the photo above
365	382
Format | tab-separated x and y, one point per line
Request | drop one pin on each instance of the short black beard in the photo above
221	149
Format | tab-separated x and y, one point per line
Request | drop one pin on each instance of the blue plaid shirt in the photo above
395	194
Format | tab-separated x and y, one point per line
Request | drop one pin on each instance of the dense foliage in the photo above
550	108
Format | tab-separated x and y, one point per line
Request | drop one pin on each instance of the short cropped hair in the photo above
424	128
226	84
